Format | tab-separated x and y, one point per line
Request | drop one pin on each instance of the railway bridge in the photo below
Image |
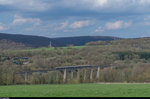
71	70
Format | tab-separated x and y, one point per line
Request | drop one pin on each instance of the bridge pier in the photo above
78	74
72	74
91	74
57	76
26	76
84	74
65	75
98	71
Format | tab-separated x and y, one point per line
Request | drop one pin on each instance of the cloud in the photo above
117	25
36	15
114	26
144	2
21	20
99	29
100	2
2	27
74	25
107	5
52	9
63	8
81	24
5	2
28	5
146	23
147	17
63	26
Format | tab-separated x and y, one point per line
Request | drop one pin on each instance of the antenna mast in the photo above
50	45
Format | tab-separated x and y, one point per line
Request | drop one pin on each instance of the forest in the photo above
131	58
40	41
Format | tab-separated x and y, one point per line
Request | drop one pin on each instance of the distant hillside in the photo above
6	45
33	41
39	41
82	40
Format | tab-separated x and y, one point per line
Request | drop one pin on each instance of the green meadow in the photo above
77	90
46	49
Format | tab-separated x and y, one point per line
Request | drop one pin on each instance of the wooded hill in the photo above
10	45
39	41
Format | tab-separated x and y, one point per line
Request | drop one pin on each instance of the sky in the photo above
67	18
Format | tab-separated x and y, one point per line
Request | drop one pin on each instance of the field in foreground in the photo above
77	90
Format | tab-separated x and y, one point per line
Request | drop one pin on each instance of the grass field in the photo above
45	49
77	90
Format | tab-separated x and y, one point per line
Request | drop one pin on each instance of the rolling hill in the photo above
39	41
82	40
32	41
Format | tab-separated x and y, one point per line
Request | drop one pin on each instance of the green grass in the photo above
52	49
46	49
77	90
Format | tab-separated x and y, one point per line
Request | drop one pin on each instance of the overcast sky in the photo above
64	18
